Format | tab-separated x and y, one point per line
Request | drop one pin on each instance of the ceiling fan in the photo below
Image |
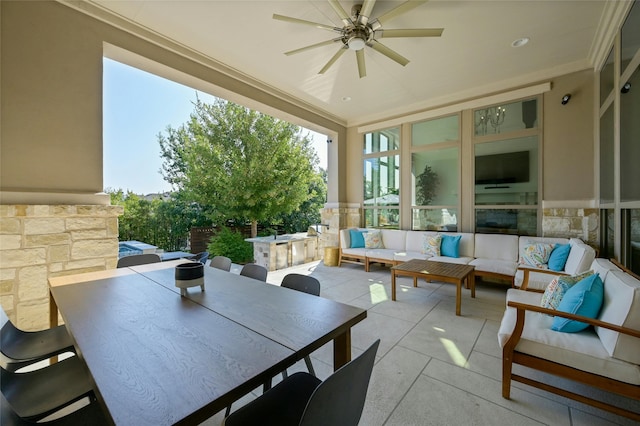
360	30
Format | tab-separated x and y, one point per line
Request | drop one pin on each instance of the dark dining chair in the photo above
305	284
38	393
255	271
20	348
87	415
304	400
138	259
221	262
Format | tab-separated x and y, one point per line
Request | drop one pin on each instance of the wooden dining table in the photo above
158	358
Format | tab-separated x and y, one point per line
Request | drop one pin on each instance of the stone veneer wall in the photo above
42	241
336	218
572	223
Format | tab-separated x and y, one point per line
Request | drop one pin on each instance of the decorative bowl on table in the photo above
189	275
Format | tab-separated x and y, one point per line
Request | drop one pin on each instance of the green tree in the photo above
250	166
164	222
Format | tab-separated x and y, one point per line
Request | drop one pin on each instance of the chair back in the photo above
138	259
304	283
252	270
221	262
339	400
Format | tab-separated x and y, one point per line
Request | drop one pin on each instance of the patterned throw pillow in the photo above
556	289
373	240
431	245
536	255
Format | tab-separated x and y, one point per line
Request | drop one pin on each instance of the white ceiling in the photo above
472	57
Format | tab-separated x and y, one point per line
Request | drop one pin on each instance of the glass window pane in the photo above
381	141
630	140
635	240
435	220
606	78
606	157
435	131
607	239
507	221
435	177
382	181
630	36
506	118
382	218
506	172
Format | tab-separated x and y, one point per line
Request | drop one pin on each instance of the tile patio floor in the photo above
432	367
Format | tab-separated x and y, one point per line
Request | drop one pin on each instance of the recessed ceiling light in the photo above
520	42
346	98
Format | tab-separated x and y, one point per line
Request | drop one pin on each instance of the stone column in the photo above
336	217
42	241
572	223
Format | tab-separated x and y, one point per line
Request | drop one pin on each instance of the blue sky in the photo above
137	107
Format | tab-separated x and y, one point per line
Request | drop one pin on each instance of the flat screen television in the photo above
499	169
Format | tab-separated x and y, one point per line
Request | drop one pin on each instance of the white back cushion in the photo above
496	246
394	239
621	307
466	248
415	240
580	258
602	267
525	241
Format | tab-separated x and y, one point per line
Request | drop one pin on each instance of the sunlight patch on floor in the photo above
455	354
378	293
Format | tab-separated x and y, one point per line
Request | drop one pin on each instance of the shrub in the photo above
231	244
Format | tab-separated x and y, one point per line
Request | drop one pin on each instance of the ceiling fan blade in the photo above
365	11
302	21
362	69
333	59
391	54
415	32
313	46
335	4
403	8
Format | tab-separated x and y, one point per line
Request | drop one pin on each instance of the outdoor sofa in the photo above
507	257
595	340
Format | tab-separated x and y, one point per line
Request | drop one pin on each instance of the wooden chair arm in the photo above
525	278
591	321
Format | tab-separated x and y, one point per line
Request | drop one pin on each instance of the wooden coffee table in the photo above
437	271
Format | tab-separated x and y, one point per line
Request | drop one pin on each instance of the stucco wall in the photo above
568	156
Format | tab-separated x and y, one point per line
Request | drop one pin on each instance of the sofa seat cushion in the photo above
460	260
358	252
583	351
406	256
495	266
621	307
381	254
537	280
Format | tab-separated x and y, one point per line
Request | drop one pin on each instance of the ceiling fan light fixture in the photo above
356	43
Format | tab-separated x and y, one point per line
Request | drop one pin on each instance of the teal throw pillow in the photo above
450	245
559	256
584	298
357	238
